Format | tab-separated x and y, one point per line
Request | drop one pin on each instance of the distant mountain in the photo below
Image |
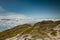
38	30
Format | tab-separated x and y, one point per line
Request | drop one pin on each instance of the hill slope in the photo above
44	29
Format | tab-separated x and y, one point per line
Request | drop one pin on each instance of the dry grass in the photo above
41	28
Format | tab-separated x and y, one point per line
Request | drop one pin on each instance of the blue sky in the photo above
32	8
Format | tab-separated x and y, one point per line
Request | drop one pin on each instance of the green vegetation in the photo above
53	32
13	32
40	28
27	39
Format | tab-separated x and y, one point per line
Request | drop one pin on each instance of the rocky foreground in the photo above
45	30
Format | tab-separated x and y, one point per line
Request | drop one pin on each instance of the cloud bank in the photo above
11	19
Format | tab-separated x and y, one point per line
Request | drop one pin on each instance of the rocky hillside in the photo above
45	30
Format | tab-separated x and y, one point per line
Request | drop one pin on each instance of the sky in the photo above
18	12
31	8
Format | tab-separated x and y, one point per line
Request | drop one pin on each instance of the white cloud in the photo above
11	19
